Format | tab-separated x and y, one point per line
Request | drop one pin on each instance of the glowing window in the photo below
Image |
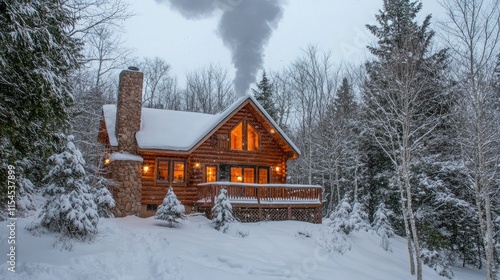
252	138
211	174
237	137
178	172
163	166
263	176
249	175
237	174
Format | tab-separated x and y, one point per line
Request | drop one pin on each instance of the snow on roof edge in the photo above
124	156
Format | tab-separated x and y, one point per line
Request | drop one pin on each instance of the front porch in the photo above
263	202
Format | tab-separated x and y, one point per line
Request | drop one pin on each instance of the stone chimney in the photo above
126	165
128	110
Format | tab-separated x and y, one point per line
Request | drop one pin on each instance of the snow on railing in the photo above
261	193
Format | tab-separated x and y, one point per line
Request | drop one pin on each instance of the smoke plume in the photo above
245	27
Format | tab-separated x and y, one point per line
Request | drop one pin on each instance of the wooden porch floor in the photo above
265	202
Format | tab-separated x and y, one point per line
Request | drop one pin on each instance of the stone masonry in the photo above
128	113
127	187
127	173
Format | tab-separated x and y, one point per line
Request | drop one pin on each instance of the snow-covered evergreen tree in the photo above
381	223
358	218
264	94
436	261
222	212
102	196
340	216
171	209
70	209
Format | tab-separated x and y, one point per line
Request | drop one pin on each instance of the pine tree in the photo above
222	212
264	94
37	56
70	209
358	218
404	98
382	225
340	217
102	196
171	210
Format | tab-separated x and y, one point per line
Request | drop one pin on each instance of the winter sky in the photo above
189	44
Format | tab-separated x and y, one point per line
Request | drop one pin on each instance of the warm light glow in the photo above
252	138
277	169
145	168
197	165
107	161
237	137
211	173
240	178
272	130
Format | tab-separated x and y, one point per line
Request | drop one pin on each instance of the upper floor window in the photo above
252	138
244	137
237	137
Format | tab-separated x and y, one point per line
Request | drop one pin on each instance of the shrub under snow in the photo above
340	216
102	197
222	212
171	209
382	226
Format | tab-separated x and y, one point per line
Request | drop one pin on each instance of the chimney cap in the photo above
133	68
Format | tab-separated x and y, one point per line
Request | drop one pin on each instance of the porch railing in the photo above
261	193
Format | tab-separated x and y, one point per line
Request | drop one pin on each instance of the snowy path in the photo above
135	248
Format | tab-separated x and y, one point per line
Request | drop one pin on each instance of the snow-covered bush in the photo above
70	209
331	240
102	196
24	198
222	212
340	216
436	261
358	218
171	209
382	225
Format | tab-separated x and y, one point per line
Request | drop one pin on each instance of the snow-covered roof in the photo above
179	130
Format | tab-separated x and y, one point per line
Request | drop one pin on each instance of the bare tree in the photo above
208	90
282	100
312	80
473	32
157	83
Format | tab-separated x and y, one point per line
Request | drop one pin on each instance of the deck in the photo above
265	202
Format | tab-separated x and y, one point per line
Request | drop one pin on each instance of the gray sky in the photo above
189	44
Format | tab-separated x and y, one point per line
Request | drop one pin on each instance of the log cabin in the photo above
241	149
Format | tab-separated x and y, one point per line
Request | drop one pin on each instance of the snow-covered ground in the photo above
136	248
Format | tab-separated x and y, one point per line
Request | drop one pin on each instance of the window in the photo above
178	172
263	175
237	137
252	138
249	175
243	174
244	136
236	174
163	170
173	171
151	207
210	173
